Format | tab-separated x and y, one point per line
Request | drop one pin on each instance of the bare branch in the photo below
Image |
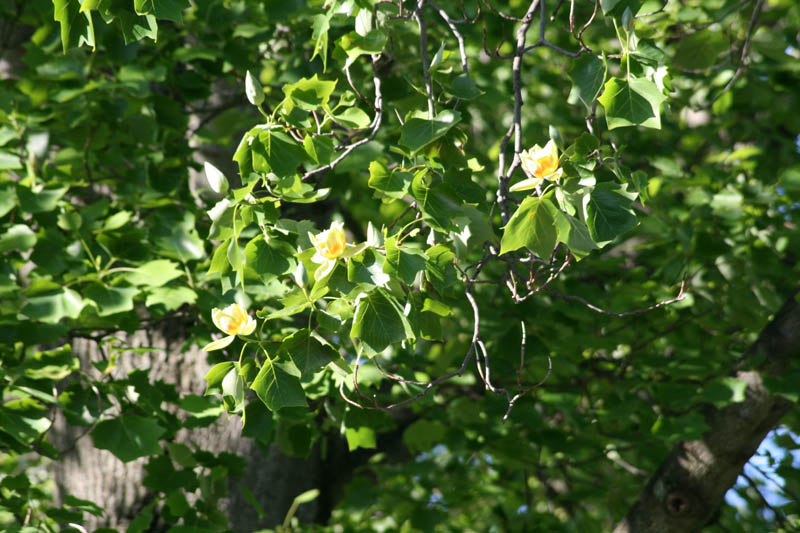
423	54
681	295
375	126
460	38
745	48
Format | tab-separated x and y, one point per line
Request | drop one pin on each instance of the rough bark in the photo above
690	485
93	474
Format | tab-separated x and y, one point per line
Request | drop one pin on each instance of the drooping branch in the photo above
691	483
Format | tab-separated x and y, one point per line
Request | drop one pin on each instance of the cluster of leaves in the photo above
406	125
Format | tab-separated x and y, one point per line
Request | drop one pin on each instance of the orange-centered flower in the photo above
540	164
233	320
329	244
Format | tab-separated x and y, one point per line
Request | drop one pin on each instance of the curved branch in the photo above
691	483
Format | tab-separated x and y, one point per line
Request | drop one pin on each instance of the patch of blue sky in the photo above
761	468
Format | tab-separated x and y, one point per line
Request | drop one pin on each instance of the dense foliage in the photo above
531	240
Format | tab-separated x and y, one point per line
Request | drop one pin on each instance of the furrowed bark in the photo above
690	485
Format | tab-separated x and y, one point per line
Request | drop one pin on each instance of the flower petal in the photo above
248	326
218	344
524	185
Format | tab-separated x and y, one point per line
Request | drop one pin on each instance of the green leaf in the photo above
52	307
355	45
269	259
394	184
440	270
128	437
276	152
319	36
464	87
588	73
379	321
143	520
54	364
40	201
309	94
278	386
404	263
423	435
110	300
700	50
438	202
309	353
23	421
319	149
575	234
353	117
634	102
83	505
217	373
233	389
135	28
18	237
9	161
155	273
76	27
418	133
608	5
177	238
170	297
8	199
608	212
368	269
163	9
361	437
531	226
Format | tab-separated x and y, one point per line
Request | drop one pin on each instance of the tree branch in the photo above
691	483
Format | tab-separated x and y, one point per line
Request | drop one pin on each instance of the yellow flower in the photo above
329	244
233	320
540	164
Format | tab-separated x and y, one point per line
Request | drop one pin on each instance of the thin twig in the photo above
460	38
745	48
376	124
600	310
423	54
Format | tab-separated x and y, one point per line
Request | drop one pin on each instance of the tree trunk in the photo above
97	475
690	485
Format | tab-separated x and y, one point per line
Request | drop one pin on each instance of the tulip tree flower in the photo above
232	320
330	245
540	164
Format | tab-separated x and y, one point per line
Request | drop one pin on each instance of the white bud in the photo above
216	179
253	90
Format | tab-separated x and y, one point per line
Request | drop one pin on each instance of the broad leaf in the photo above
405	262
588	74
634	102
155	273
309	94
110	300
128	437
575	234
394	183
17	237
418	133
54	306
701	50
608	212
308	352
379	321
278	386
531	226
